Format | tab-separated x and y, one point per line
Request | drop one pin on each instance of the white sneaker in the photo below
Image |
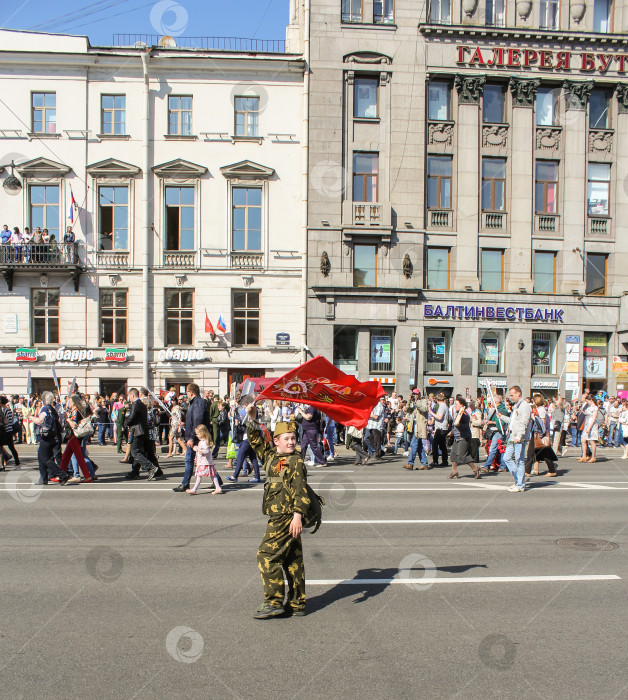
405	454
516	489
624	456
330	458
309	463
563	452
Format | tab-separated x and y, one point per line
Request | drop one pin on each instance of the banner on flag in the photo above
208	327
318	383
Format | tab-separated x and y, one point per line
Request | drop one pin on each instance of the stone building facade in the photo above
468	192
186	169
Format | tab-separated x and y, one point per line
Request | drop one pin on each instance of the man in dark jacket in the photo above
197	414
136	421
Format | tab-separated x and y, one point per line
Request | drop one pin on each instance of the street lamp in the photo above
11	184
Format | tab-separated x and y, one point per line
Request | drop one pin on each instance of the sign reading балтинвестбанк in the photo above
493	313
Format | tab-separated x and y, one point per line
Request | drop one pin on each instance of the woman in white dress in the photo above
590	432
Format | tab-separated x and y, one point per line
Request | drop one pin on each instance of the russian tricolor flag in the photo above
221	324
74	207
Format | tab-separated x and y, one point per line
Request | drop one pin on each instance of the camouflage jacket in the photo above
285	489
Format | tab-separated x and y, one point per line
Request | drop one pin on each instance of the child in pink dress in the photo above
204	462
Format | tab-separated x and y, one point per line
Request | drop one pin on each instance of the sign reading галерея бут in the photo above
493	313
506	57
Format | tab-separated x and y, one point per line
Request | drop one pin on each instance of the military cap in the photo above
283	427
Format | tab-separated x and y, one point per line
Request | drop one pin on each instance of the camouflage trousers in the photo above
280	553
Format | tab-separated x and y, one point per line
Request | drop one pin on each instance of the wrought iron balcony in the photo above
40	257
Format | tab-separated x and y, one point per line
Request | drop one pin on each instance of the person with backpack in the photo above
441	428
49	438
224	427
286	503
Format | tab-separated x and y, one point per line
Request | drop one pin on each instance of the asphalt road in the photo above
417	587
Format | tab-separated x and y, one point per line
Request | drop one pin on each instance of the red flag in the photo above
208	326
339	395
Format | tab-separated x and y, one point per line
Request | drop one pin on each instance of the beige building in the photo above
187	170
468	191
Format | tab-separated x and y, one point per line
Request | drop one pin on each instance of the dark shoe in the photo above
94	465
433	465
124	461
267	610
151	473
159	474
132	476
231	478
41	482
294	612
179	489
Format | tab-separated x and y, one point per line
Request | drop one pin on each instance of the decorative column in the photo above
467	170
521	194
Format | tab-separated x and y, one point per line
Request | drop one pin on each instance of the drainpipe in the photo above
147	219
305	165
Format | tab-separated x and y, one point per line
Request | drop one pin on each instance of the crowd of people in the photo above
513	432
38	245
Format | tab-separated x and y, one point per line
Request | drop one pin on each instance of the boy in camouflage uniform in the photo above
285	502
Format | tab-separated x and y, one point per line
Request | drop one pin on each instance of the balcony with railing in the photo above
494	221
547	223
372	218
440	218
180	259
599	226
112	259
246	261
39	257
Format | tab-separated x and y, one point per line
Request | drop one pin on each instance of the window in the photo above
493	184
346	348
549	17
544	352
180	115
247	218
546	186
438	349
493	104
351	10
495	13
44	112
491	360
598	189
544	272
602	15
440	11
491	270
365	98
383	11
599	109
179	317
179	218
114	218
439	182
439	100
113	110
364	265
547	106
246	116
45	208
437	268
245	318
596	274
45	305
113	316
381	350
365	170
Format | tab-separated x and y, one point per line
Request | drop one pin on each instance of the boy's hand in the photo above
252	411
296	525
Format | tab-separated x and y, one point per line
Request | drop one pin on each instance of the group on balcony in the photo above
36	247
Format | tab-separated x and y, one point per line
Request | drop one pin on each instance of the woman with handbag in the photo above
539	448
461	429
78	428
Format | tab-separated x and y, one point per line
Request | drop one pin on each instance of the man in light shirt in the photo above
519	435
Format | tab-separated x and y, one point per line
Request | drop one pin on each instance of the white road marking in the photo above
403	522
469	579
584	485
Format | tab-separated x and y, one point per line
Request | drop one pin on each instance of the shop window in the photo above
180	115
493	184
44	204
179	317
440	11
491	270
598	189
439	100
351	10
546	186
364	265
113	204
549	14
491	360
365	173
544	272
494	104
113	316
179	218
544	352
346	348
247	218
438	350
45	314
381	350
44	105
495	15
365	98
246	317
600	109
437	268
596	274
439	182
383	11
602	13
547	106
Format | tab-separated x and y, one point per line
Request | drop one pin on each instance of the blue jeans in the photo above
613	434
88	461
398	442
245	450
189	467
330	434
369	448
514	458
492	451
575	436
416	447
102	427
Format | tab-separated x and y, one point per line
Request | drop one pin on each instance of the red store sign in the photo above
502	57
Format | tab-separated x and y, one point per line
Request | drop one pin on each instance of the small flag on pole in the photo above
221	324
74	207
72	387
208	327
54	376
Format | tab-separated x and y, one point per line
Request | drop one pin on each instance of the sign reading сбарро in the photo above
493	313
502	57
